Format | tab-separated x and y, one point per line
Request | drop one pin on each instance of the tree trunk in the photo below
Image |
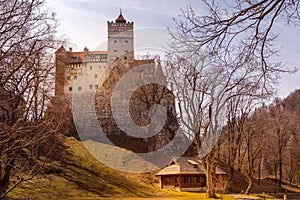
209	171
259	173
230	178
210	189
4	182
239	158
280	168
280	173
275	170
250	160
250	184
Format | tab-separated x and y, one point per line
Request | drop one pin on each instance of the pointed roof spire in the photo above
159	73
120	18
61	49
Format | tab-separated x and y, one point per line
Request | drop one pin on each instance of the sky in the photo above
84	24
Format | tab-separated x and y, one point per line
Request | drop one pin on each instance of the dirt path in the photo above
244	197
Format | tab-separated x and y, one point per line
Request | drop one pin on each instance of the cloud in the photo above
84	21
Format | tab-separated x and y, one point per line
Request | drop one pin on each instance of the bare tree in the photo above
239	43
202	90
252	146
281	122
26	46
238	112
292	156
240	32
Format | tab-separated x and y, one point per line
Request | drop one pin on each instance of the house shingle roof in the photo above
185	165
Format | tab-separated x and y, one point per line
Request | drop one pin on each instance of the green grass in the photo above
77	174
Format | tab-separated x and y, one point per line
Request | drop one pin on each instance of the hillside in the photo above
73	171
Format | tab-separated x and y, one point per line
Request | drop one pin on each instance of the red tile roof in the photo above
120	18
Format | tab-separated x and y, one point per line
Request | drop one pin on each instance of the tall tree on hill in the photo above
26	39
239	43
254	140
281	123
291	155
238	112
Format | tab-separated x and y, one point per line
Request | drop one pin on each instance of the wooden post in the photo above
179	182
160	182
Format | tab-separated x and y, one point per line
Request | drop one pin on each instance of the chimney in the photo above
86	50
70	49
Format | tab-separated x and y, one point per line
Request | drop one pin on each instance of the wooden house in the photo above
187	174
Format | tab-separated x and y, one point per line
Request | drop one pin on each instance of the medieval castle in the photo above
69	63
102	71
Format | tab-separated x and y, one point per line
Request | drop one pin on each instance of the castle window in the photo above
125	58
115	41
95	75
70	89
126	41
69	78
115	51
96	86
90	87
79	88
75	77
91	67
73	59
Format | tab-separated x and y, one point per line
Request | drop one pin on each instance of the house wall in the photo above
183	181
168	182
191	182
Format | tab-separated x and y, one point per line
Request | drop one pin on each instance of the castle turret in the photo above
120	39
61	58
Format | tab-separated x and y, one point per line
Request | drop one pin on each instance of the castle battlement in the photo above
120	34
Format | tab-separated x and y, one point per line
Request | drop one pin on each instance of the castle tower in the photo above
60	63
120	39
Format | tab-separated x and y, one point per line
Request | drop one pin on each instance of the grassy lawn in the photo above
167	195
79	175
